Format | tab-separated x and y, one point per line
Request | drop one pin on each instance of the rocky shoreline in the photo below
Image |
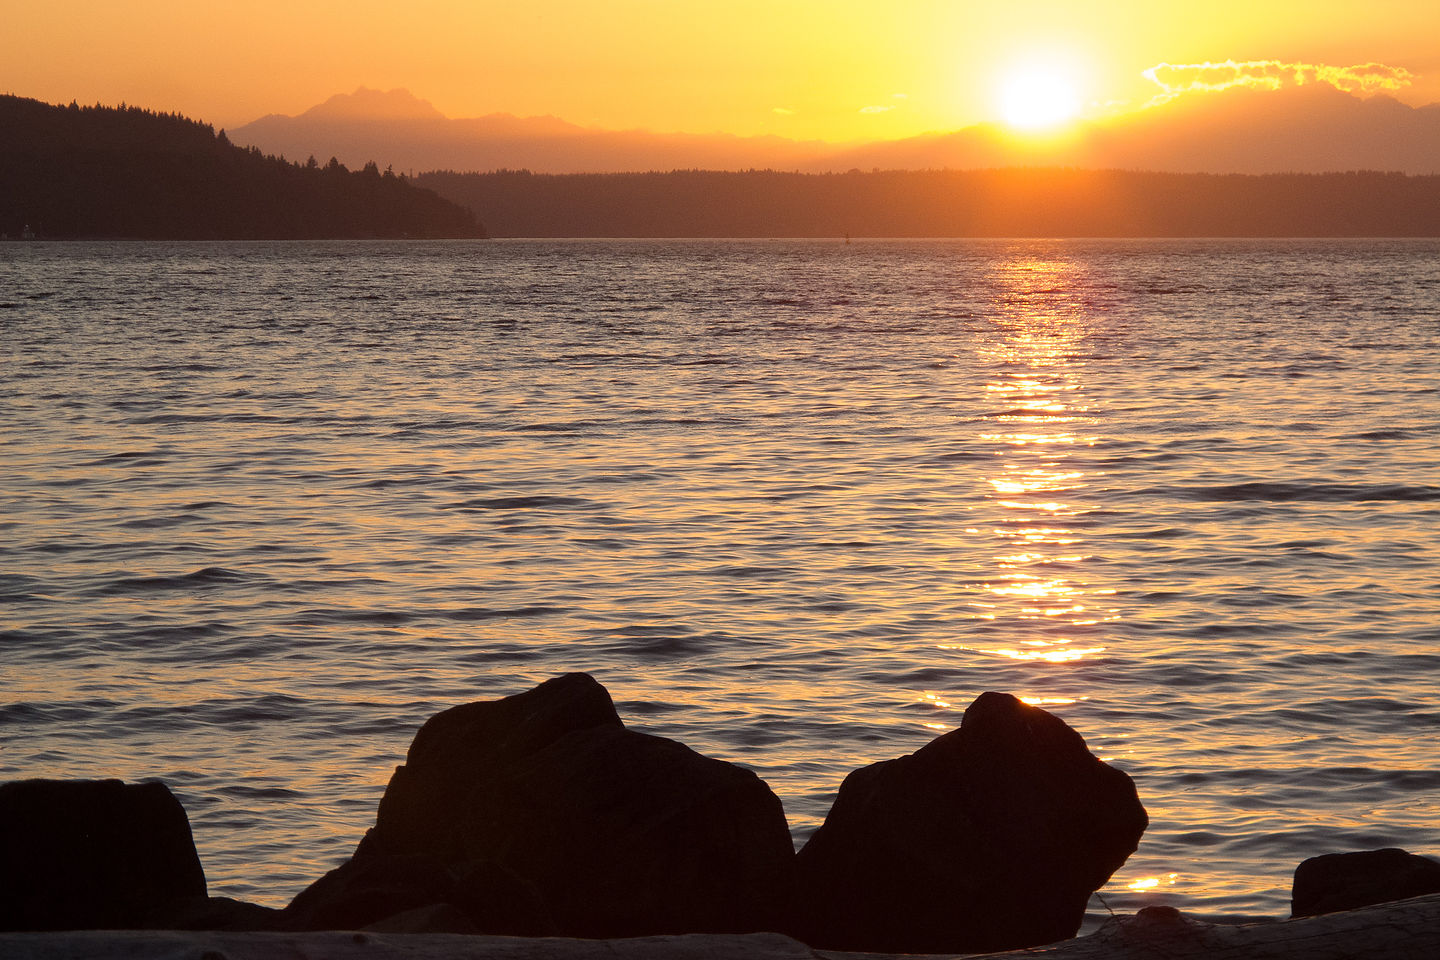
539	825
1404	930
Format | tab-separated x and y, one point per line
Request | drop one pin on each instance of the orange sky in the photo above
830	69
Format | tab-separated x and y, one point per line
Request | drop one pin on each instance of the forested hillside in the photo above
126	172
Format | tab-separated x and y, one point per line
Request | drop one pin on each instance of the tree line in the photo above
73	171
945	203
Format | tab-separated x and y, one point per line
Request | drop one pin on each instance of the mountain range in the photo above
1307	129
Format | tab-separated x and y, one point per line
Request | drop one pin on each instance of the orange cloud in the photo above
1177	78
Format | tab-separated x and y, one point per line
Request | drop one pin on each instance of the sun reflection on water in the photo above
1041	417
1152	883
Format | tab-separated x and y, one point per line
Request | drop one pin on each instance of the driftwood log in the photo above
1404	930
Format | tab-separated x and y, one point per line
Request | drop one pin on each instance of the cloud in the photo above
1177	78
886	108
783	111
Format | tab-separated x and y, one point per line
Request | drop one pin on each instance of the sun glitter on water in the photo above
1038	97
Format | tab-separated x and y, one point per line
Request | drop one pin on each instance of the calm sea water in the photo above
269	506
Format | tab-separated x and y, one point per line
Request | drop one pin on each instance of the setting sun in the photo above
1038	98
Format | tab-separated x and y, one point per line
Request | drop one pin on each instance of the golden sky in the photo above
830	69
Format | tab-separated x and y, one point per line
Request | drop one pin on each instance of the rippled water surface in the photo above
267	507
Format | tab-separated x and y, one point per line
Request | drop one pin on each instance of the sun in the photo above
1037	97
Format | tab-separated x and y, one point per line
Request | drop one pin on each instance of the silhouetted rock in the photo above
991	837
630	835
540	813
436	918
1345	881
369	889
366	889
498	900
458	752
93	854
216	913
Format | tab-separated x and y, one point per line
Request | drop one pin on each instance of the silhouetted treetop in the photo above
123	171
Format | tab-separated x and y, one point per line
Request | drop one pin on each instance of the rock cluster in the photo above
542	814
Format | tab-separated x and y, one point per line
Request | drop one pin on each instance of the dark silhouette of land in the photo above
946	203
126	172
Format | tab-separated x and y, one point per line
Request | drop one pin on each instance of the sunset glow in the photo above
1038	98
839	71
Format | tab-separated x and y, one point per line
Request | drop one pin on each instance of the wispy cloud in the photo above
887	107
1177	78
784	111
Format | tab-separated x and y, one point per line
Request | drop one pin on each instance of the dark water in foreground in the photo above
269	506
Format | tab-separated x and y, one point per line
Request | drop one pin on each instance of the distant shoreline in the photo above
854	241
913	204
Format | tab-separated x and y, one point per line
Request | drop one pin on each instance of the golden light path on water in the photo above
1038	584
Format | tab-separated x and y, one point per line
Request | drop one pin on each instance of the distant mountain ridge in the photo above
126	172
411	135
1311	129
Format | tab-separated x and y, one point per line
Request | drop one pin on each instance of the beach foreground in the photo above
1403	930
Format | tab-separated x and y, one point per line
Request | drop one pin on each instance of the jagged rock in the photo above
92	854
991	837
618	833
1344	881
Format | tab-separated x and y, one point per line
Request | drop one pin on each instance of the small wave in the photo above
55	712
384	483
518	503
667	645
1033	412
1161	533
135	458
465	614
206	577
244	792
1386	435
752	572
570	426
1322	492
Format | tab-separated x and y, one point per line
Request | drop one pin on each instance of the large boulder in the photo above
458	752
93	854
1345	881
633	835
544	802
991	837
